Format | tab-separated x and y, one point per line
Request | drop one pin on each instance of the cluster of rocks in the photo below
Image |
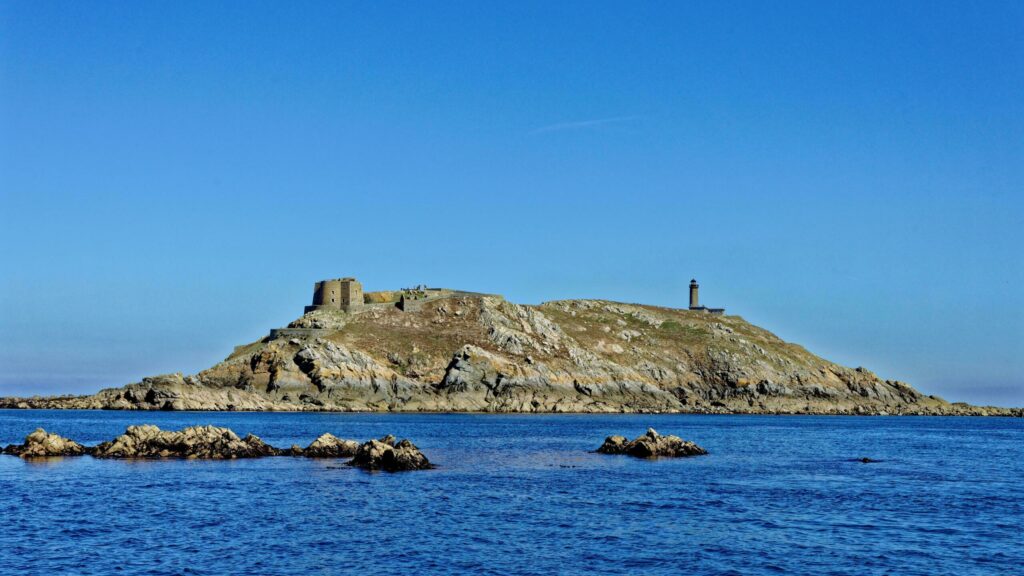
651	445
203	442
214	443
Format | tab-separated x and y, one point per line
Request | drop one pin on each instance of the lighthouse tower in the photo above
695	300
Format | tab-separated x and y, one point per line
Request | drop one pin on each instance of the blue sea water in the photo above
523	494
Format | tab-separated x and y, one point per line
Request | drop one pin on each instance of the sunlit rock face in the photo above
42	444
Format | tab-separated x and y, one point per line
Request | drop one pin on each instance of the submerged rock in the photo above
41	444
330	446
387	455
651	445
207	442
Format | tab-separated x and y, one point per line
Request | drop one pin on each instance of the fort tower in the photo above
338	294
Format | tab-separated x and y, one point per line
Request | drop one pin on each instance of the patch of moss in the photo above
671	326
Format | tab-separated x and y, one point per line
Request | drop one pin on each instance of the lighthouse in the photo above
695	300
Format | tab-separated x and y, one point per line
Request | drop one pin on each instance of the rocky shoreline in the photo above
215	443
90	403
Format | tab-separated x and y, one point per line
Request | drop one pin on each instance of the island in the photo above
426	349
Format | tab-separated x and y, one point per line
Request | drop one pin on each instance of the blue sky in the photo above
174	176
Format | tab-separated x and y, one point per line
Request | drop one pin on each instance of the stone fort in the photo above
346	294
338	294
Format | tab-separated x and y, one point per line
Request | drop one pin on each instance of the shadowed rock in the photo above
330	446
206	442
387	455
651	445
42	444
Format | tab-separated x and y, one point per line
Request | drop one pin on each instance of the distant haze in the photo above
174	177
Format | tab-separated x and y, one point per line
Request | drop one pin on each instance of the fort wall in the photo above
298	332
351	294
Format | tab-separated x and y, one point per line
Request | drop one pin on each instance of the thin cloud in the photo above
581	124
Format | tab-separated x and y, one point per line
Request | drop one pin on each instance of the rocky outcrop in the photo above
390	456
473	353
330	446
42	444
213	443
651	445
206	442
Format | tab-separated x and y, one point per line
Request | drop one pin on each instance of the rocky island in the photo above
429	349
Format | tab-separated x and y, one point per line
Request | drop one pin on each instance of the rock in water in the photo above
385	454
651	445
330	446
41	444
206	442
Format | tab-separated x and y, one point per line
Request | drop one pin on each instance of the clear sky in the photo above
174	176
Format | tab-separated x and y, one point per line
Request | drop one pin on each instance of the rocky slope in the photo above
482	353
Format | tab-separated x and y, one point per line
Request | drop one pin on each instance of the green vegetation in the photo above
672	326
686	334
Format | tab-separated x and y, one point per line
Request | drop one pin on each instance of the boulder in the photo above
651	445
42	444
330	446
387	455
613	445
206	442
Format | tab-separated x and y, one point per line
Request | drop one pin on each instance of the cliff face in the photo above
481	353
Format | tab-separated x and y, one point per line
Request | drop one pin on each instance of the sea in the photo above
526	494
